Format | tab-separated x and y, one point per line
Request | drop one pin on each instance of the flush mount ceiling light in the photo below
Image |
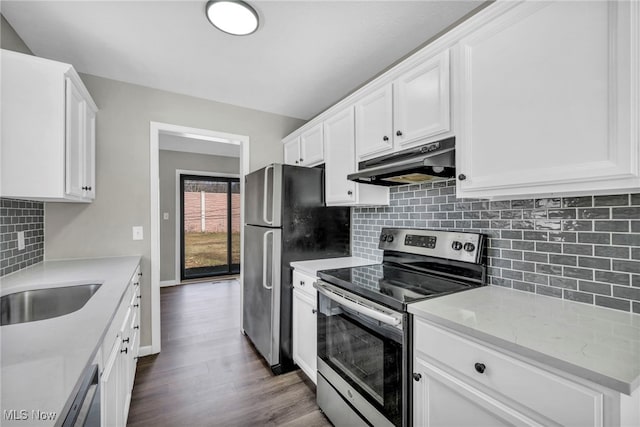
232	17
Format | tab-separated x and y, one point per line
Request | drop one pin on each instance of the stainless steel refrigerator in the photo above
285	220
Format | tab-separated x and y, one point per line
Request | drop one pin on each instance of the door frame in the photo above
155	129
179	212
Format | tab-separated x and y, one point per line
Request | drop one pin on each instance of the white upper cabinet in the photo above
306	149
543	98
75	137
549	99
90	155
48	131
311	146
340	158
412	110
374	123
421	102
340	161
292	151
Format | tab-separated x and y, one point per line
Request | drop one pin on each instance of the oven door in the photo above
362	346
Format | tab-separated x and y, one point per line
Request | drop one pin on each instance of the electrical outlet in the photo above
165	216
20	240
138	233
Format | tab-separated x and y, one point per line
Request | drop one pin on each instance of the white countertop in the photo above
43	361
312	267
594	343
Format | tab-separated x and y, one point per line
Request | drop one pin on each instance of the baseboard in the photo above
145	351
164	283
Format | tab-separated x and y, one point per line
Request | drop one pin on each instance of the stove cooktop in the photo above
390	285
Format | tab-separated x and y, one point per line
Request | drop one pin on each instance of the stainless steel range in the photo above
364	330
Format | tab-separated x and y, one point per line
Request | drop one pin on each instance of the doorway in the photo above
210	226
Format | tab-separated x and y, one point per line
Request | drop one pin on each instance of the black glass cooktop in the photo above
390	285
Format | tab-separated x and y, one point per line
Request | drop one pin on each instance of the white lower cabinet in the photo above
120	350
444	400
305	304
458	381
112	388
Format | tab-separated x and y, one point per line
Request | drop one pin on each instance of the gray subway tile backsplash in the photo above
16	216
584	249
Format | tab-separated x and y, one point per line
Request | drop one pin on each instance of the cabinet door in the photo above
340	161
111	389
440	399
374	124
75	140
304	333
89	164
292	152
312	146
421	102
549	111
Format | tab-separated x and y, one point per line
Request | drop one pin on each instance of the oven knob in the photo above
383	237
456	246
469	247
389	238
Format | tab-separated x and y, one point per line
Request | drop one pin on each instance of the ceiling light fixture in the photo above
232	17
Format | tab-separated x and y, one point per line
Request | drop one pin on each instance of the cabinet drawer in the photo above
304	283
550	396
115	327
135	281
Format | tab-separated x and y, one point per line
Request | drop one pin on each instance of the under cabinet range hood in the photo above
425	163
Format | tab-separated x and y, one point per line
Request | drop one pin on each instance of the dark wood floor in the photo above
208	374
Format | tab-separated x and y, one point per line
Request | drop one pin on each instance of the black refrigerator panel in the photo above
310	230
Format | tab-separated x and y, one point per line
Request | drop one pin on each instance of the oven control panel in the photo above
420	241
455	245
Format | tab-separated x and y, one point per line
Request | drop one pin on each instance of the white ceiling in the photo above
305	56
198	145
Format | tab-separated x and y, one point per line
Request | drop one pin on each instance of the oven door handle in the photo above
360	308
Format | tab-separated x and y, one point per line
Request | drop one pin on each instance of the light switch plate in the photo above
138	233
20	240
165	215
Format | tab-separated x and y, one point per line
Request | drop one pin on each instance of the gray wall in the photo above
584	249
10	40
103	228
169	162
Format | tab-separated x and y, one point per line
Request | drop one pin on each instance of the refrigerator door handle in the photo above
267	195
264	260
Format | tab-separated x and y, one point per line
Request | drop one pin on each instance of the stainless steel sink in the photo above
41	304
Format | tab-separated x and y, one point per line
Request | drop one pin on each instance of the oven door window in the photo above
365	353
